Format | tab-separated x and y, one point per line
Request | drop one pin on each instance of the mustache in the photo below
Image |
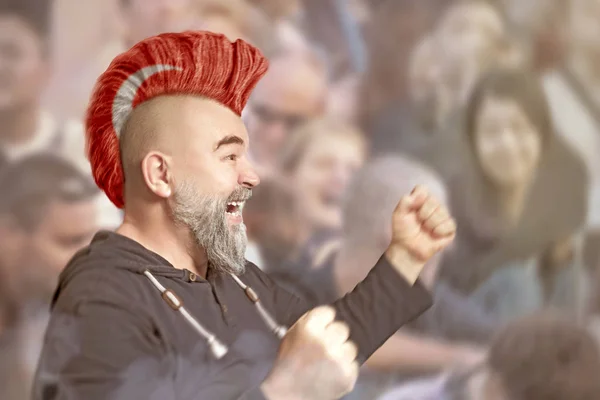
240	194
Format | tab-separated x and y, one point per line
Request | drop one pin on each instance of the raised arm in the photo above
390	295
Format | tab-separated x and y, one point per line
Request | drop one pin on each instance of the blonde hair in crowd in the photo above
301	140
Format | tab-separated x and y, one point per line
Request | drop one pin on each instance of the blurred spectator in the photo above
292	92
27	128
573	89
318	163
278	9
275	231
426	125
541	26
543	357
425	74
435	341
509	229
47	213
25	55
236	19
143	18
416	129
124	23
343	99
471	37
283	15
319	160
391	34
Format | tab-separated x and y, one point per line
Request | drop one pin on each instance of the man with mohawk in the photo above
166	307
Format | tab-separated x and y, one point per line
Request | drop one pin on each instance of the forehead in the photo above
494	105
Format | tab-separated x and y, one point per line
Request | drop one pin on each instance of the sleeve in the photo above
377	307
101	350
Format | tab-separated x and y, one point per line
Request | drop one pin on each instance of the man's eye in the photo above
231	157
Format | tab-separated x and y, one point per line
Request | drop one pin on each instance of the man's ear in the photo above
157	174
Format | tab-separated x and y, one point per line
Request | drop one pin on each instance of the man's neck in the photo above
18	125
173	244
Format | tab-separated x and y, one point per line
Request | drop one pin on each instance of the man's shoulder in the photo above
90	278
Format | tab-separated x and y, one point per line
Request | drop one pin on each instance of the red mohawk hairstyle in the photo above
194	63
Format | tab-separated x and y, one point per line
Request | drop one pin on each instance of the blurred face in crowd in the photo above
276	224
424	79
36	256
543	24
322	176
585	26
23	64
469	37
507	144
145	18
291	93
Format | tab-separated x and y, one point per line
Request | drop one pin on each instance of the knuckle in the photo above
352	350
322	313
342	326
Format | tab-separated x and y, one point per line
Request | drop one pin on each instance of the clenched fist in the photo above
421	227
315	360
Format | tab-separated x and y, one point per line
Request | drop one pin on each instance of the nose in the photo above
508	138
248	176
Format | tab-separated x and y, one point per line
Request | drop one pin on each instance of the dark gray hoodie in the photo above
112	336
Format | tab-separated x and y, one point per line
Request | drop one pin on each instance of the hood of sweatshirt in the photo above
112	250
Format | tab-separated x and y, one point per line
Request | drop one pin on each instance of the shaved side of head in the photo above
147	129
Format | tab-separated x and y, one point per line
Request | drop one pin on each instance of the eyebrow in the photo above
230	139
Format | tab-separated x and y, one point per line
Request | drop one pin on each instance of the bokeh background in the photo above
493	105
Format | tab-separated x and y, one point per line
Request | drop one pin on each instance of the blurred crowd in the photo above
494	105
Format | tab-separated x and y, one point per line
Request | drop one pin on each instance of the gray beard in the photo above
224	245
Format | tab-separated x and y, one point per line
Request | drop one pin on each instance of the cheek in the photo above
31	76
485	150
531	149
307	177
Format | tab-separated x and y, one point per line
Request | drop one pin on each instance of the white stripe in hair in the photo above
123	101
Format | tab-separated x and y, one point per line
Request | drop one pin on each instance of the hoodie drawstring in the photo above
218	348
278	330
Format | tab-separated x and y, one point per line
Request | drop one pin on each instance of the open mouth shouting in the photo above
234	211
235	205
